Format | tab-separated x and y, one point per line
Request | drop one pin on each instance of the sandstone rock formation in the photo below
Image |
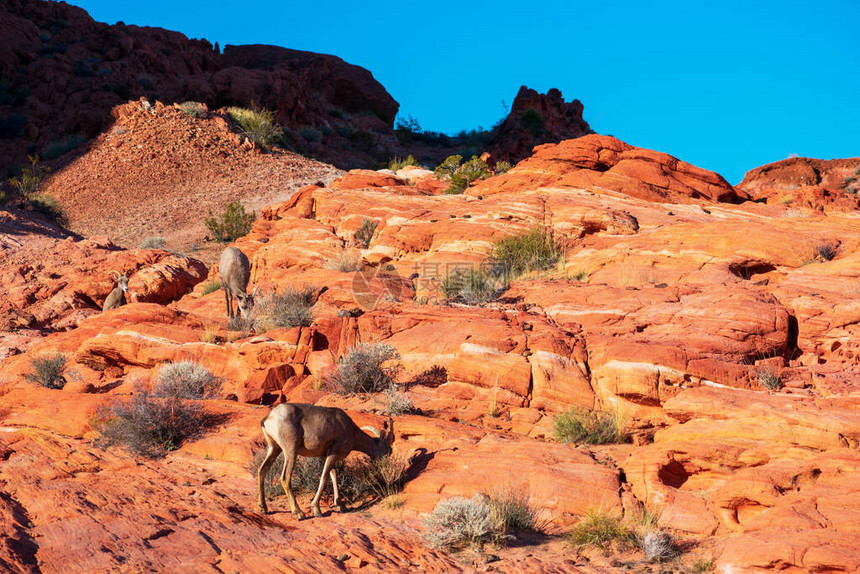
675	302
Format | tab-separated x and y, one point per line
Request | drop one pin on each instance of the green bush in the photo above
186	380
31	177
600	529
47	371
290	308
447	168
591	427
257	124
365	233
193	109
232	224
398	163
472	287
398	402
148	425
534	250
367	368
211	286
470	171
48	206
512	510
154	242
769	378
501	167
533	121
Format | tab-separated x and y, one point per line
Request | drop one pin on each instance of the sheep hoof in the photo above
317	512
263	509
341	508
299	515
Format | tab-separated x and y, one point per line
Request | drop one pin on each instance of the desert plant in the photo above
232	224
31	177
397	402
590	427
704	565
512	510
657	545
501	167
533	121
148	425
398	163
310	134
193	109
472	170
365	233
346	261
385	475
186	380
243	325
48	205
290	308
472	287
447	168
600	529
367	368
534	250
154	242
456	522
47	370
769	378
580	275
211	286
257	124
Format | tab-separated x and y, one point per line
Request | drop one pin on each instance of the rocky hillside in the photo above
724	330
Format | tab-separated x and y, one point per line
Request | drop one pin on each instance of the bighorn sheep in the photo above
116	298
235	272
311	431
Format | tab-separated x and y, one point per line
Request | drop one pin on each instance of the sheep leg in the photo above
229	297
329	464
271	455
286	478
333	476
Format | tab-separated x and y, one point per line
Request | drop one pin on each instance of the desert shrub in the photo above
47	370
232	224
533	121
600	529
383	476
825	251
148	425
501	167
398	163
154	242
310	134
193	109
474	169
657	545
186	380
31	177
703	565
212	286
397	402
257	124
472	287
48	206
590	427
365	233
534	250
367	368
769	378
447	168
290	308
346	261
241	324
580	275
457	522
512	510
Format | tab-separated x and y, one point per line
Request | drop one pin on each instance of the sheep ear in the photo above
372	430
256	290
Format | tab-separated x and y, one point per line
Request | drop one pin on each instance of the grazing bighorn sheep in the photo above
116	298
235	272
311	431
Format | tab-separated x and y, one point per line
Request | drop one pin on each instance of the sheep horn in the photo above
372	430
117	274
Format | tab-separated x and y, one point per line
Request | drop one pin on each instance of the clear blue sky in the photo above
727	87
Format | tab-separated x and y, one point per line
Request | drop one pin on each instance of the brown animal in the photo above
116	298
235	272
311	431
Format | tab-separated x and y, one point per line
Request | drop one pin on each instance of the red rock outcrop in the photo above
675	302
806	183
